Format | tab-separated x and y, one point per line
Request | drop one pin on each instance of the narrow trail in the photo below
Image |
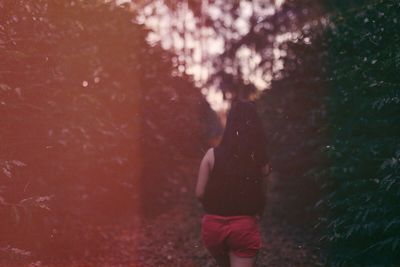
172	239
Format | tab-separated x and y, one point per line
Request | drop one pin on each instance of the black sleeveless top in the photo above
230	193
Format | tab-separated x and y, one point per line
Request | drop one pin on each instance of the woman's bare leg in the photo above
241	262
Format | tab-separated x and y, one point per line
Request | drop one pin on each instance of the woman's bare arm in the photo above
206	166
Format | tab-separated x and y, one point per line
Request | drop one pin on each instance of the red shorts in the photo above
239	234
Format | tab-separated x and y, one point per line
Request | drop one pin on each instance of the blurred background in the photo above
107	107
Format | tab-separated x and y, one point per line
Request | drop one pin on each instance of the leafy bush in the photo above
362	182
92	115
294	114
333	115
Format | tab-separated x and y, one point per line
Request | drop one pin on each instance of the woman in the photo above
230	187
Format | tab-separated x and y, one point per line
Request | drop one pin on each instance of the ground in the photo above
173	239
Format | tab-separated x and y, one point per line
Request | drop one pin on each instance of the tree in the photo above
87	111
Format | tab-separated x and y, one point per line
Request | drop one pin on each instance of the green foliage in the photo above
344	5
333	115
91	114
362	181
294	113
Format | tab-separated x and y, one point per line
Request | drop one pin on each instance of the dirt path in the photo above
173	239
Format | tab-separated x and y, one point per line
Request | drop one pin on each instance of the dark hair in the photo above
244	139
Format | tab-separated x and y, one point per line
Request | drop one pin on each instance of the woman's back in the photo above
234	186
